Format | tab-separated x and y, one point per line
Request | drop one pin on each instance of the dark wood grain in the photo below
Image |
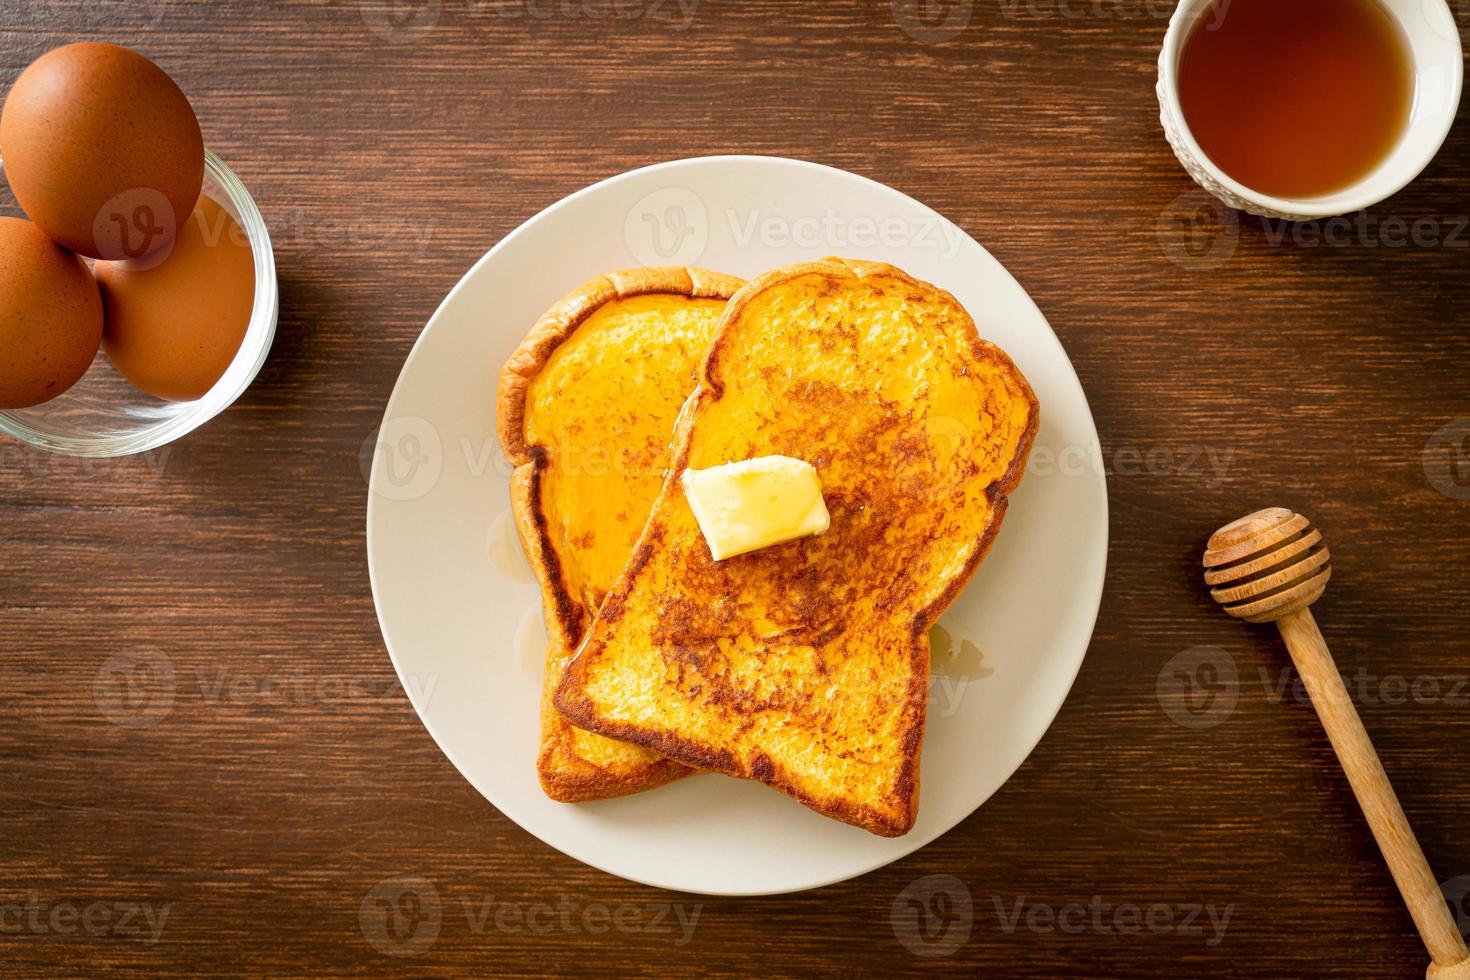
262	813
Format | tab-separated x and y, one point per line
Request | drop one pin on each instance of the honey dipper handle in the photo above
1370	784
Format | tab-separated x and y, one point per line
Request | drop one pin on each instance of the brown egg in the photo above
102	150
50	316
172	327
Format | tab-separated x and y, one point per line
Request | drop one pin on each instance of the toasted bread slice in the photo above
806	665
586	412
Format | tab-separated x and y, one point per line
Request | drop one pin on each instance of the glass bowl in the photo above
103	414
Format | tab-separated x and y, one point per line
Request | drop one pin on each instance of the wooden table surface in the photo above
263	786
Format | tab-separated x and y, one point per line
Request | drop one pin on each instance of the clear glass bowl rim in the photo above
248	360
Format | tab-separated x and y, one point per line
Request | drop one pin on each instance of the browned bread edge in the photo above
565	620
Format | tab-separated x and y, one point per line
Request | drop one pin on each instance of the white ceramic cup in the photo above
1438	66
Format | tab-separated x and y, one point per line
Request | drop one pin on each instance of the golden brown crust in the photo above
563	319
565	775
571	698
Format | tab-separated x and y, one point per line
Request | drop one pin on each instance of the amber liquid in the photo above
1296	98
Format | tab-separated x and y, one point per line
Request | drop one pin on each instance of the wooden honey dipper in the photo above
1269	567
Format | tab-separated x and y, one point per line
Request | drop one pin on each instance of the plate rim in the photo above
1100	573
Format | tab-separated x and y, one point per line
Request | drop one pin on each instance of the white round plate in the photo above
460	612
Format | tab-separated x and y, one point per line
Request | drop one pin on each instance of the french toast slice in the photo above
806	665
585	411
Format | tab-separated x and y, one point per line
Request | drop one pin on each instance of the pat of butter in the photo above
756	503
